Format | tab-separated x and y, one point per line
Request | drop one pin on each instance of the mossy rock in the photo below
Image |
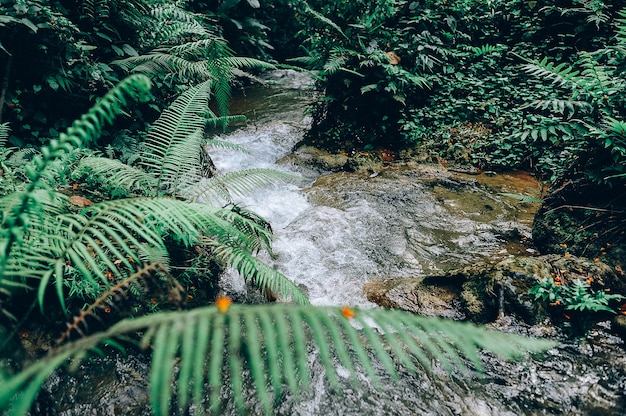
415	296
481	292
317	159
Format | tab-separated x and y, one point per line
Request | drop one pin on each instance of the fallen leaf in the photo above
79	201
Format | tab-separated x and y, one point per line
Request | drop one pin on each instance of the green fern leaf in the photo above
176	126
175	23
562	74
599	83
224	144
82	131
221	188
621	27
131	231
259	273
486	49
114	174
159	63
239	334
4	133
324	19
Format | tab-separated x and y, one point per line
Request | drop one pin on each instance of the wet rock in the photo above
316	158
619	325
413	295
488	290
484	291
368	162
112	385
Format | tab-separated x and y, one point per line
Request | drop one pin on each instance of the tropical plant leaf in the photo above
317	15
129	232
189	349
225	144
117	175
221	188
561	74
178	124
4	133
159	62
80	133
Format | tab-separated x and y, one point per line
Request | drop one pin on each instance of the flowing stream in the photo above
337	231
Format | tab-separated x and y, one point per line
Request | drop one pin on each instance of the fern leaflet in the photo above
198	342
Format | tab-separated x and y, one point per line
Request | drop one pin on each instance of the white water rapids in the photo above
348	229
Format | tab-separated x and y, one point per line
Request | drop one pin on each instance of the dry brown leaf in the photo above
394	59
79	201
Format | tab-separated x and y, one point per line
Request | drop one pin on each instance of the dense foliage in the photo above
496	83
121	231
58	56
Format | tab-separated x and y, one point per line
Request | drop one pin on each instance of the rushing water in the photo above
336	231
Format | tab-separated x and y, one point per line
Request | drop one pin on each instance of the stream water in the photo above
336	231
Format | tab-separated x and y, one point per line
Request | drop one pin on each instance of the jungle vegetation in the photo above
112	214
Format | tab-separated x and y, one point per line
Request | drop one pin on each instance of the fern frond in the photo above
562	74
80	133
42	205
306	60
317	15
96	9
21	157
222	188
117	236
210	47
223	71
4	133
196	343
93	242
258	273
114	175
621	27
335	63
598	82
182	168
485	49
175	127
175	23
158	63
225	144
244	62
